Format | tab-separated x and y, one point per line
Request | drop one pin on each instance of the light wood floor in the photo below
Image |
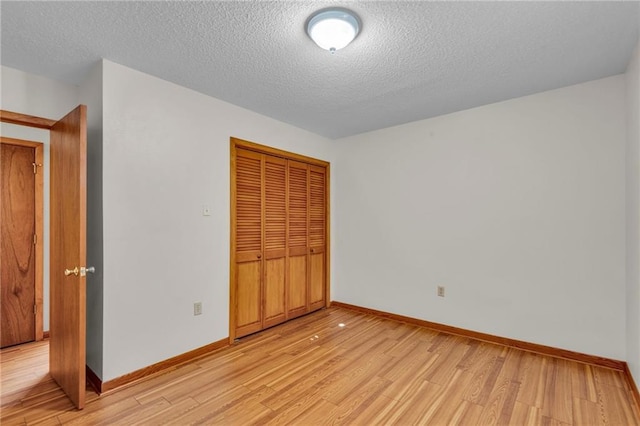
312	371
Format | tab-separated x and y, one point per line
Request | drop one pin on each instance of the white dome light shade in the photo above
333	29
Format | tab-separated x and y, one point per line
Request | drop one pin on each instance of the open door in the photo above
68	220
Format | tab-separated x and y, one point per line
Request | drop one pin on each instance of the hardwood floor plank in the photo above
467	413
100	412
484	380
421	406
352	407
203	412
169	415
400	364
296	413
582	382
533	382
244	410
557	402
354	378
138	412
452	407
311	380
406	384
615	402
447	364
371	371
586	413
301	362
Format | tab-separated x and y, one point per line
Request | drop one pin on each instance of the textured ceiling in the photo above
412	60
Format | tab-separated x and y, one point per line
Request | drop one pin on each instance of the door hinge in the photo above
35	239
35	168
35	309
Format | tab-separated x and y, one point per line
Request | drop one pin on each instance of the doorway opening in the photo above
66	346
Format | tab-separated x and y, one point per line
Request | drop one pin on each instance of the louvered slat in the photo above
275	204
317	207
248	203
297	206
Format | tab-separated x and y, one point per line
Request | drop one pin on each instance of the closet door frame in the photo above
235	144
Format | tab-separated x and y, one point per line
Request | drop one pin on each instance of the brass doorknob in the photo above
73	271
82	271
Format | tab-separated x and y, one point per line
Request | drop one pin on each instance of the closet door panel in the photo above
297	285
317	280
279	242
274	290
248	246
248	311
317	236
298	238
275	240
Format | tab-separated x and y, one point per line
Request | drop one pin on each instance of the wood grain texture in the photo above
39	225
327	246
248	298
279	220
297	291
275	241
25	120
631	383
39	222
252	146
317	217
274	291
311	370
248	241
17	227
68	223
519	344
39	241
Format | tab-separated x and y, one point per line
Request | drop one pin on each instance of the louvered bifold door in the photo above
248	255
275	240
298	237
317	237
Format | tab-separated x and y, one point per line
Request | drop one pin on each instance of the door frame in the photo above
236	143
48	124
39	229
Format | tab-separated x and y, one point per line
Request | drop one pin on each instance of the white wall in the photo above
166	154
517	208
33	95
633	215
90	94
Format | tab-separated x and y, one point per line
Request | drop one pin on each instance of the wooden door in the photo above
18	230
248	199
275	240
68	254
317	236
298	219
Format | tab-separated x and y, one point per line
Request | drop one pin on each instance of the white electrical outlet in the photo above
197	308
441	291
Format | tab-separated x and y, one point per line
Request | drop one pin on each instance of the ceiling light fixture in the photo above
332	29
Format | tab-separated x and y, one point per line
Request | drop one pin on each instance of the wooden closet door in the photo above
275	241
248	236
298	219
317	236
